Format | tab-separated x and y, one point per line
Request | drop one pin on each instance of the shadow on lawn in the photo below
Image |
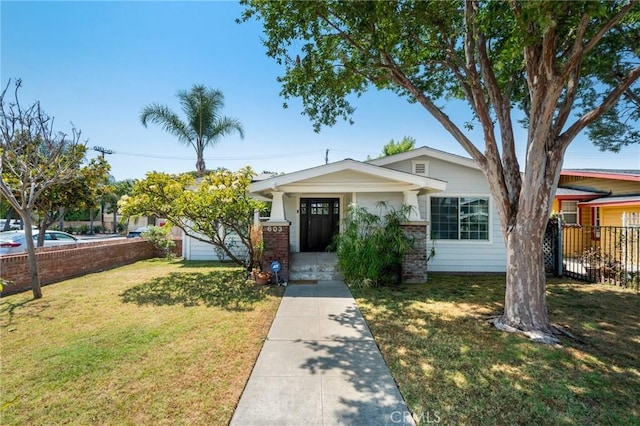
446	359
227	289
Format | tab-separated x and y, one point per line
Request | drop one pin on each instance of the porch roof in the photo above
347	176
620	201
577	194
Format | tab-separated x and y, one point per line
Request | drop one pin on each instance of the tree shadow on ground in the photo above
227	289
446	358
198	264
10	306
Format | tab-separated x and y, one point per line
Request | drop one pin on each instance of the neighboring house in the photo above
597	197
598	209
449	195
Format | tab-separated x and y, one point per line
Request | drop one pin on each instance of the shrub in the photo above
159	237
371	247
83	229
70	230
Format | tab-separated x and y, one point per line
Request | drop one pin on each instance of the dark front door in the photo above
319	221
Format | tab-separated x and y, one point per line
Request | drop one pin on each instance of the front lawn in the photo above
454	368
155	342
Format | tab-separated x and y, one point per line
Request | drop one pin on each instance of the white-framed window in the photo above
460	218
569	210
595	212
420	168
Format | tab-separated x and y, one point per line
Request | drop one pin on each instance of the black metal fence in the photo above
607	254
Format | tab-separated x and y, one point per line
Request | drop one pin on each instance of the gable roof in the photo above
291	179
425	151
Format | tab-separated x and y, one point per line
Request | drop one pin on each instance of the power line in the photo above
244	157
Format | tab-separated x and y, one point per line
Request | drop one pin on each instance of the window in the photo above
596	222
460	218
569	210
320	208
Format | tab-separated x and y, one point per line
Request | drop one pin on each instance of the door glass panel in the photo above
320	208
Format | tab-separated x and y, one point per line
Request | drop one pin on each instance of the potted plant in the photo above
257	248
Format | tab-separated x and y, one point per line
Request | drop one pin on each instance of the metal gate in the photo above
551	248
607	254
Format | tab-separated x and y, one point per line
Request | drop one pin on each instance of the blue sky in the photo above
96	64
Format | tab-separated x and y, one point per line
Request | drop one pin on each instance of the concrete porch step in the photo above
313	266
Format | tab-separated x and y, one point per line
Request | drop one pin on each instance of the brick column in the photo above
276	246
414	263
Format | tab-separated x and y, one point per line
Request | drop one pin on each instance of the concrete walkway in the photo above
320	366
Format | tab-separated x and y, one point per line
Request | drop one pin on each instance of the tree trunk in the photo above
525	304
61	222
33	264
8	218
200	166
91	215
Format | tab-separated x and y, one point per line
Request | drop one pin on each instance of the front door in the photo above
319	222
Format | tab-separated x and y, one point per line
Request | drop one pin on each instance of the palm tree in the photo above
204	126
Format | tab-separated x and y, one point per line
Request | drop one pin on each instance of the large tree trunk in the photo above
525	304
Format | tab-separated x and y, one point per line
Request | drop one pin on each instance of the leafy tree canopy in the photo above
407	143
215	209
204	126
556	67
34	159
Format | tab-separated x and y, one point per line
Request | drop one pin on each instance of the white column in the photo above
277	207
411	200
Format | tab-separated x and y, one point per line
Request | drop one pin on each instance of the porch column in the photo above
277	207
414	263
411	199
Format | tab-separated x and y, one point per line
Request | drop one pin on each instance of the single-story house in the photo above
449	195
594	204
597	197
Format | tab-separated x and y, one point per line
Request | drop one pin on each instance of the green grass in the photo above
155	342
452	366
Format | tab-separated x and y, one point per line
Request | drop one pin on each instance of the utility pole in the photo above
326	157
102	151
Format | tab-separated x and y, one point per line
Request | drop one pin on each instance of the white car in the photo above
13	224
15	241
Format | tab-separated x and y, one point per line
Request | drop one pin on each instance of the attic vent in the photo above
420	168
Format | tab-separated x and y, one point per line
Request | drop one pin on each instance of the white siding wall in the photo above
291	203
462	255
193	249
370	200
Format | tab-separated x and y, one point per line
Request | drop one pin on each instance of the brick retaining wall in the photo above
59	263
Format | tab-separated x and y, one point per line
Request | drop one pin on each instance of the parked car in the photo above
13	224
15	241
136	233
